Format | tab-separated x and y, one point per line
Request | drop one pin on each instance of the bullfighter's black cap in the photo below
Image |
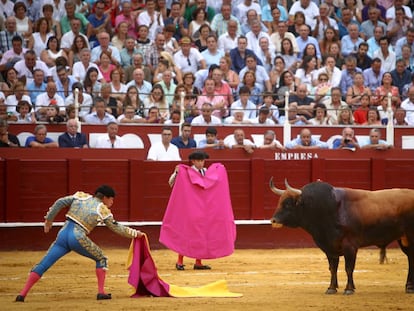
198	155
106	191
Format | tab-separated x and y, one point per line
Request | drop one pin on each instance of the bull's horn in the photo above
273	188
294	190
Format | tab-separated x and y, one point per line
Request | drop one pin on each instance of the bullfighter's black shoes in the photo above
179	267
103	296
202	267
20	298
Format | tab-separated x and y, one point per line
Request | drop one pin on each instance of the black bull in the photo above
341	220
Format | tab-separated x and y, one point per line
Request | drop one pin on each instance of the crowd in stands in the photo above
207	62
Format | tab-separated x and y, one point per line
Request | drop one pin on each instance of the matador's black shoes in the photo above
202	267
19	298
103	296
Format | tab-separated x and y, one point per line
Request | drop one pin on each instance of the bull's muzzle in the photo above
275	224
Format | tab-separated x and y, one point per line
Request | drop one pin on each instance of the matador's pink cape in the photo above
199	221
144	279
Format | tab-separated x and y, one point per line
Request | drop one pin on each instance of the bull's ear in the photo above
273	188
294	190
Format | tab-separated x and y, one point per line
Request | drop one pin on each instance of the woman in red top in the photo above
385	88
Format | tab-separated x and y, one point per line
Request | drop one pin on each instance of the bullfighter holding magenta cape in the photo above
199	221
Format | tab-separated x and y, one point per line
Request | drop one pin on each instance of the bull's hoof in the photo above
348	292
331	291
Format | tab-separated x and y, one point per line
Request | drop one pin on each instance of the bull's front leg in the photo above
350	258
333	268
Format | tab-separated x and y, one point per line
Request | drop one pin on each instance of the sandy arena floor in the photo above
293	279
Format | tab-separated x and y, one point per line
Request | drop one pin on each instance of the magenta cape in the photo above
144	279
199	221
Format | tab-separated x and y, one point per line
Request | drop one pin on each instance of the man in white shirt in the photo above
189	59
408	106
254	36
84	100
80	68
228	40
309	8
246	6
26	67
164	150
238	140
110	140
67	39
206	117
45	99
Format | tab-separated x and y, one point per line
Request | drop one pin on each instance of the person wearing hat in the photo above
85	212
188	58
199	222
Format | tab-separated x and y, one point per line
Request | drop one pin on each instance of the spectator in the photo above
334	104
127	16
25	68
64	82
305	141
237	117
7	139
399	117
374	141
164	150
81	67
363	60
199	19
309	9
119	39
99	114
351	41
392	11
348	74
401	76
40	139
178	21
18	94
52	52
387	57
84	100
52	115
345	116
323	22
262	79
210	95
137	63
386	88
263	117
398	26
347	141
373	75
206	118
24	23
68	39
278	37
373	117
72	138
238	140
111	139
321	116
407	39
65	22
143	86
247	106
129	116
293	117
184	141
157	99
369	25
408	106
74	54
14	54
154	52
37	86
361	112
50	97
7	35
99	22
189	59
220	23
104	40
304	103
24	113
175	118
239	54
270	141
211	140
